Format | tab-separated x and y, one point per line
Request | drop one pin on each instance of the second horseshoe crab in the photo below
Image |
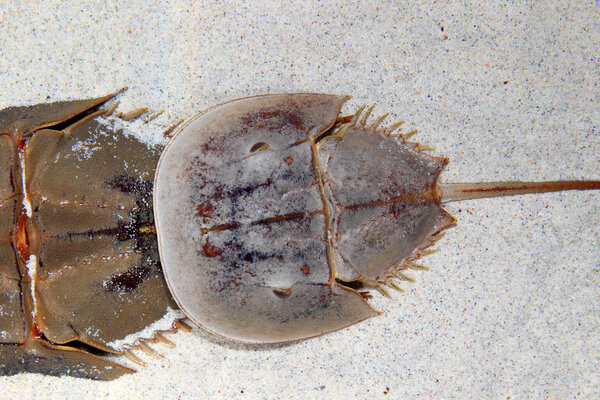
275	217
80	264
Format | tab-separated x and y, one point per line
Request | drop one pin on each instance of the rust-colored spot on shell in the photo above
210	250
289	160
264	118
204	210
22	237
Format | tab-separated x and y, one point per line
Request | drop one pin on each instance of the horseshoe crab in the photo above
286	214
275	217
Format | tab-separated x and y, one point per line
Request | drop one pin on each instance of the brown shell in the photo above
79	263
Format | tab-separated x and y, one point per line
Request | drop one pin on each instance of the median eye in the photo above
256	147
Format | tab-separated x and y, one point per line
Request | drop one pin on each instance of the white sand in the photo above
510	306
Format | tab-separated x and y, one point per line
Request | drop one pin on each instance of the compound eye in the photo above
282	293
258	146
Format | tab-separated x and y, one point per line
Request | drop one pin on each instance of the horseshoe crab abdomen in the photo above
383	192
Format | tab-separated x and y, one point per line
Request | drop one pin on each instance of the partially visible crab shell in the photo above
266	214
80	265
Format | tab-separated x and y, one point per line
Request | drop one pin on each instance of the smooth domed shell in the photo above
258	228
